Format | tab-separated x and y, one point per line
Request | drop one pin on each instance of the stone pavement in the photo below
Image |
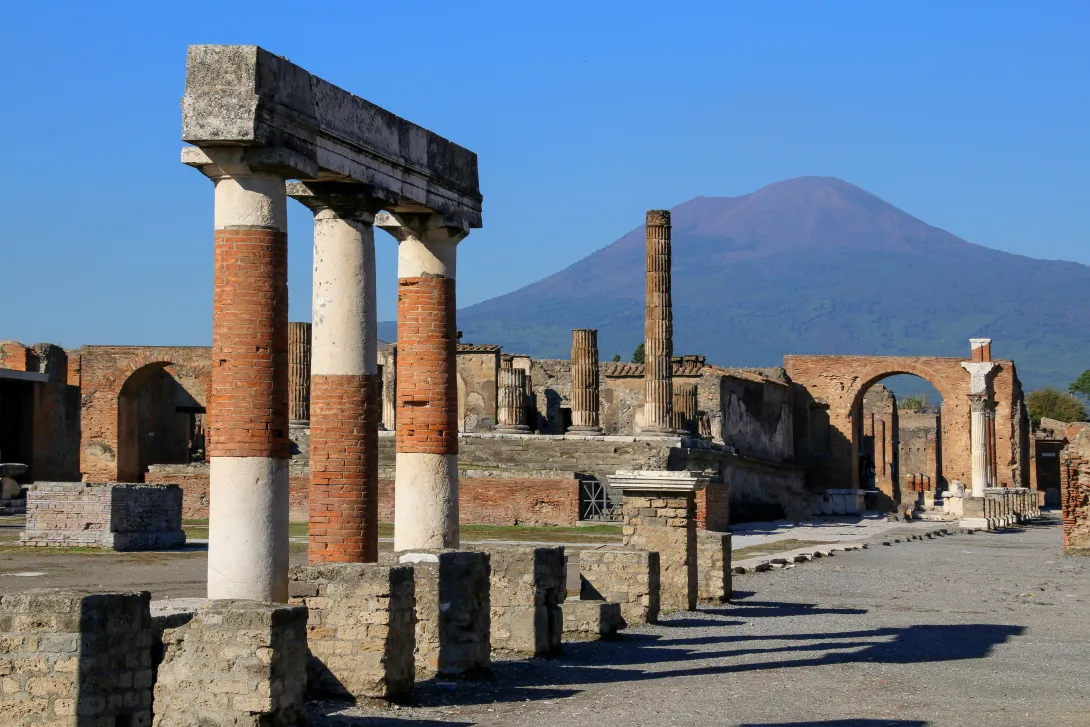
983	629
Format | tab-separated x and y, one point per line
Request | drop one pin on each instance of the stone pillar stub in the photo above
658	328
660	515
511	401
685	408
585	382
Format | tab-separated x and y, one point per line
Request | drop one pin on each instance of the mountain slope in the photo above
809	265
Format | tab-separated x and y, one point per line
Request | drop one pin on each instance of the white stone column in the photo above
978	432
426	479
248	410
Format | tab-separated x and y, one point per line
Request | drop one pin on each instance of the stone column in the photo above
511	401
993	448
660	515
299	373
978	425
584	381
658	327
685	408
426	483
389	388
344	411
248	402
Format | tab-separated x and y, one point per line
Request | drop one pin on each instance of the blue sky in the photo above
972	116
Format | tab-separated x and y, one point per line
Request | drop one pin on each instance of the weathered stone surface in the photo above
75	658
361	628
527	589
713	566
591	620
629	578
233	664
119	516
453	612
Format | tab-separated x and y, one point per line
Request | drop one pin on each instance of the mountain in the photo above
808	265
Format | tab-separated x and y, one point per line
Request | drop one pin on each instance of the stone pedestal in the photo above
511	401
298	372
974	513
361	629
234	663
628	578
584	381
527	589
713	566
660	515
591	620
453	612
658	337
844	501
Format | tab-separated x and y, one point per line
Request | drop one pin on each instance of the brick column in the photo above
299	372
685	408
344	410
584	381
426	480
658	327
248	404
511	401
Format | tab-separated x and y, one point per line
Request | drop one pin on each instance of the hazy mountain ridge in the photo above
808	265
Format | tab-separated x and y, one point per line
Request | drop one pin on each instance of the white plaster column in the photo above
426	478
248	409
978	426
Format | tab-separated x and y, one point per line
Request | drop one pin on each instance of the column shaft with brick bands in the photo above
344	386
658	326
426	478
584	381
248	403
299	371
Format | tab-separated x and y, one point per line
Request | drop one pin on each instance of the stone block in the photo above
453	612
591	620
629	578
527	588
361	628
233	664
713	566
75	658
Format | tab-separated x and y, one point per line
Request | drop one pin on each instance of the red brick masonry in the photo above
343	499
427	383
481	501
249	400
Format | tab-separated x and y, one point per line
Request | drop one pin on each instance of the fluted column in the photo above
978	427
426	480
389	389
299	372
658	327
584	381
511	401
685	407
248	402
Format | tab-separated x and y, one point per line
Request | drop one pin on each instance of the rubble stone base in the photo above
591	620
629	578
361	629
527	588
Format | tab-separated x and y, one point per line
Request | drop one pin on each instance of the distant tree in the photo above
1054	404
916	402
616	357
1081	385
637	355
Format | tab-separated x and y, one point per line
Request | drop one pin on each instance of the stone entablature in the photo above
118	516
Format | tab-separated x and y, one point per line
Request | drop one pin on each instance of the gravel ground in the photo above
984	629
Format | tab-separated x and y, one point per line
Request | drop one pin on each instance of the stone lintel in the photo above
243	95
215	162
658	481
347	199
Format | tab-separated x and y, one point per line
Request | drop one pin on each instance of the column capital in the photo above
346	200
216	162
978	403
423	226
980	373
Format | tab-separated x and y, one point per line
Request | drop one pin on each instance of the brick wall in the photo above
1075	495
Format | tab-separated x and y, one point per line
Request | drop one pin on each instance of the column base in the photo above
584	430
514	429
975	523
662	432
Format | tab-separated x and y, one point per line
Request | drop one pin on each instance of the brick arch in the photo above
869	378
112	379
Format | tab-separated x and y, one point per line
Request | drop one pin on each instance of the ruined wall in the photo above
133	398
1075	494
757	416
477	367
919	444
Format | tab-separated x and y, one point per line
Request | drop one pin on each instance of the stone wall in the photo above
115	516
762	492
713	566
626	577
1075	494
713	507
360	629
757	416
477	367
75	658
665	523
527	589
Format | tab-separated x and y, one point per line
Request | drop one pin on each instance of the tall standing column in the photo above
511	401
584	381
248	478
658	327
426	480
389	387
344	392
299	372
978	426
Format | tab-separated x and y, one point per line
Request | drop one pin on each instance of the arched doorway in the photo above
159	420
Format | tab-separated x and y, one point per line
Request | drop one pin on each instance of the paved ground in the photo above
984	629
